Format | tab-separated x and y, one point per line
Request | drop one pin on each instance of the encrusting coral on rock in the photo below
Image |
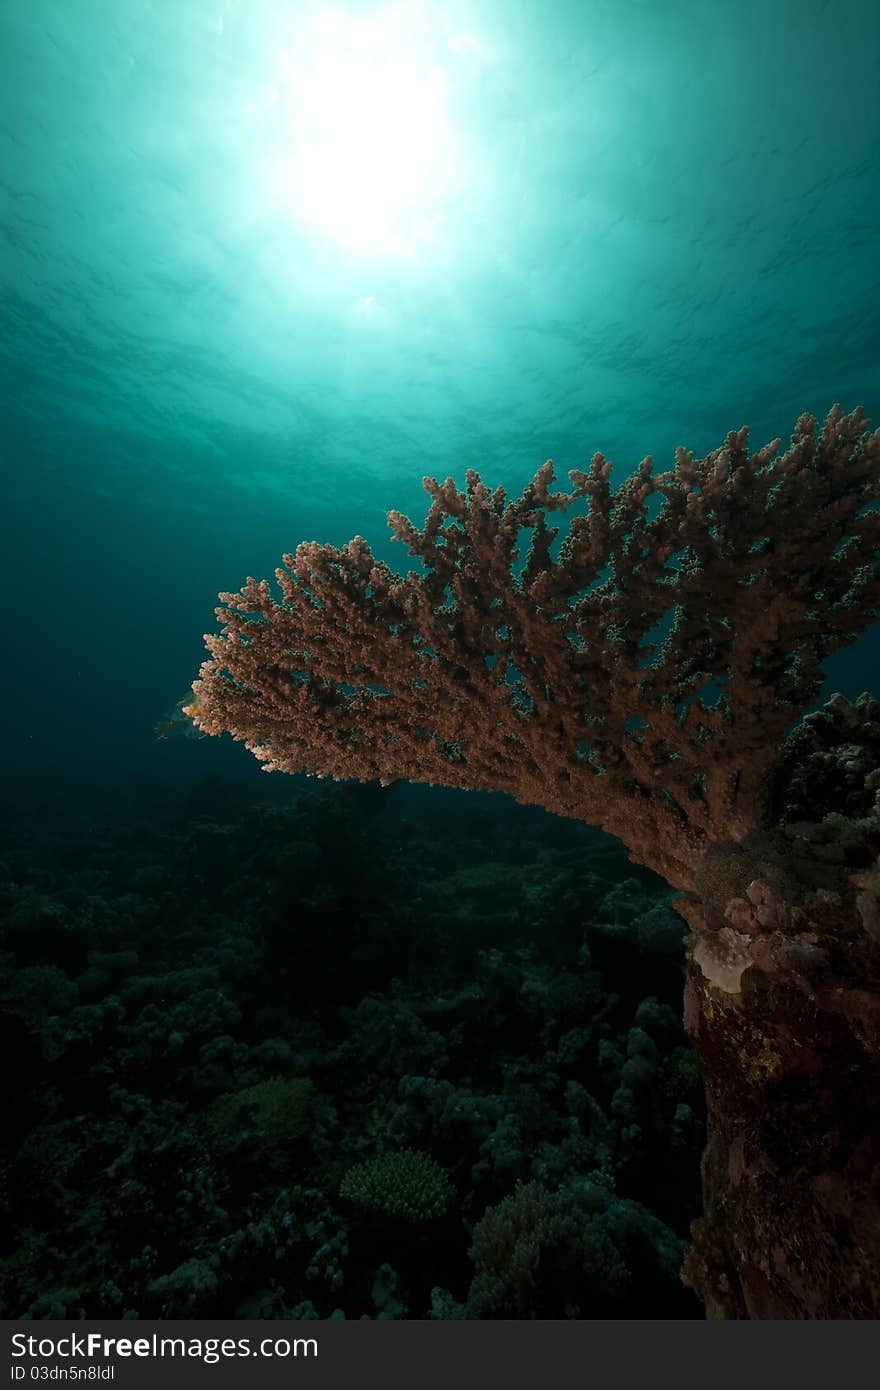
650	674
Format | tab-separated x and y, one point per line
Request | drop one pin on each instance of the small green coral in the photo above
279	1107
408	1184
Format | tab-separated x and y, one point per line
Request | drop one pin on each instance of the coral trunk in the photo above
791	1059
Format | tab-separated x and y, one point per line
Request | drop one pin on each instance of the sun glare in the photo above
365	148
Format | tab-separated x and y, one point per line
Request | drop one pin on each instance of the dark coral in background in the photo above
239	1030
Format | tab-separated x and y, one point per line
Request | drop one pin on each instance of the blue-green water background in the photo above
643	223
664	224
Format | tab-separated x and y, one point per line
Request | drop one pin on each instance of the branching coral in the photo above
407	1184
640	676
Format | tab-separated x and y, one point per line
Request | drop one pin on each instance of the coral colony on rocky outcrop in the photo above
649	674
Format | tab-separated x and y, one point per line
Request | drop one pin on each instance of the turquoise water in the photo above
265	265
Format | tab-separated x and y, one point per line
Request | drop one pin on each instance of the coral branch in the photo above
642	679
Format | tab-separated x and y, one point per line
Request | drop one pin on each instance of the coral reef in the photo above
579	1246
204	1049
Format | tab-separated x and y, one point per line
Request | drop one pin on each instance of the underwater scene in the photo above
540	978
